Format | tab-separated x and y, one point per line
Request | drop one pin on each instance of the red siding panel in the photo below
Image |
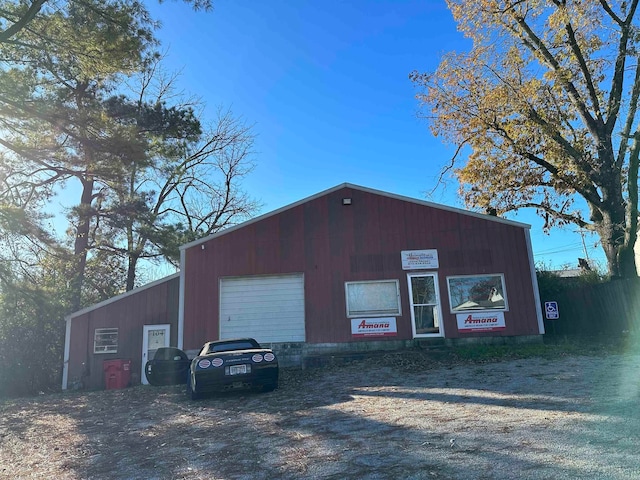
332	243
157	304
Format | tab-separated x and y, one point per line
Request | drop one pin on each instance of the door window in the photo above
156	338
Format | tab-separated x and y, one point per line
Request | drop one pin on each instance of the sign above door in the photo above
419	259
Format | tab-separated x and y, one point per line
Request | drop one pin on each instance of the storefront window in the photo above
373	299
477	292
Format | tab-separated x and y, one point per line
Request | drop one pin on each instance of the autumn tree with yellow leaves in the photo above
546	103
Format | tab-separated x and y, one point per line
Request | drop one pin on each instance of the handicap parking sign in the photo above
551	310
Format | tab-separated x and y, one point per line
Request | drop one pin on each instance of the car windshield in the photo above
226	347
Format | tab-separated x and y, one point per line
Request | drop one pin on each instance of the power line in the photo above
560	249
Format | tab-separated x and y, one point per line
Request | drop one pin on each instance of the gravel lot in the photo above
398	416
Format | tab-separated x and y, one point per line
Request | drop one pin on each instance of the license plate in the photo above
237	369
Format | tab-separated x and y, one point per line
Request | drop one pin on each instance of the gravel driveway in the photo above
398	416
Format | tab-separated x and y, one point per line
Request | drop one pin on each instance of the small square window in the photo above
373	298
105	340
477	292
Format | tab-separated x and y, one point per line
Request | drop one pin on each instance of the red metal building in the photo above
350	269
313	271
127	327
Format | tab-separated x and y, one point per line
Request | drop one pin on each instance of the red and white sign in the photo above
480	322
374	327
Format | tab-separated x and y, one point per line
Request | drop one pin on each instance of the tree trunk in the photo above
617	223
131	270
617	246
627	261
632	207
81	245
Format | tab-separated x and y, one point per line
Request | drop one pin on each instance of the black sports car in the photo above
232	364
169	366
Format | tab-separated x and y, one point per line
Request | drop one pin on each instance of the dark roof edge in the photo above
363	189
123	295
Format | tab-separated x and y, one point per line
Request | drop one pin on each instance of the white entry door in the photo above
153	337
425	305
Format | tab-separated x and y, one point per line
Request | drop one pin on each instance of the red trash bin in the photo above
117	373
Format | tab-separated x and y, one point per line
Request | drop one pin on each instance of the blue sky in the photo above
326	85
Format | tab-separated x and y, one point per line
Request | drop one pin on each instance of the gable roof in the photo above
381	193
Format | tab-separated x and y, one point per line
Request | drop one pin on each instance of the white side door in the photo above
153	338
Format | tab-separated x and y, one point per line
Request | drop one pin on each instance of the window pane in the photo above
423	290
105	340
426	319
155	339
479	292
373	298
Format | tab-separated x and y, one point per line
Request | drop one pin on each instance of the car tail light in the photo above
269	357
204	363
257	358
217	362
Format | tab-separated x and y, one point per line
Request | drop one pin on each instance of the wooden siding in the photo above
157	304
331	243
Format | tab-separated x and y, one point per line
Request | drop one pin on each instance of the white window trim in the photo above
97	332
438	305
504	292
368	314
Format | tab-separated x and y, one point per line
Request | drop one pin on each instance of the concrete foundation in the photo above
308	355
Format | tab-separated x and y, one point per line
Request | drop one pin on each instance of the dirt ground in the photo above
394	417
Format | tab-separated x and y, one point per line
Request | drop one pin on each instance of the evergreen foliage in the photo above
84	103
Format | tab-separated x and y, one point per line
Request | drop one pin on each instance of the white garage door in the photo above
267	308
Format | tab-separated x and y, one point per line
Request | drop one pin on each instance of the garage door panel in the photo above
284	292
267	298
268	308
278	283
260	317
266	302
262	335
265	309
